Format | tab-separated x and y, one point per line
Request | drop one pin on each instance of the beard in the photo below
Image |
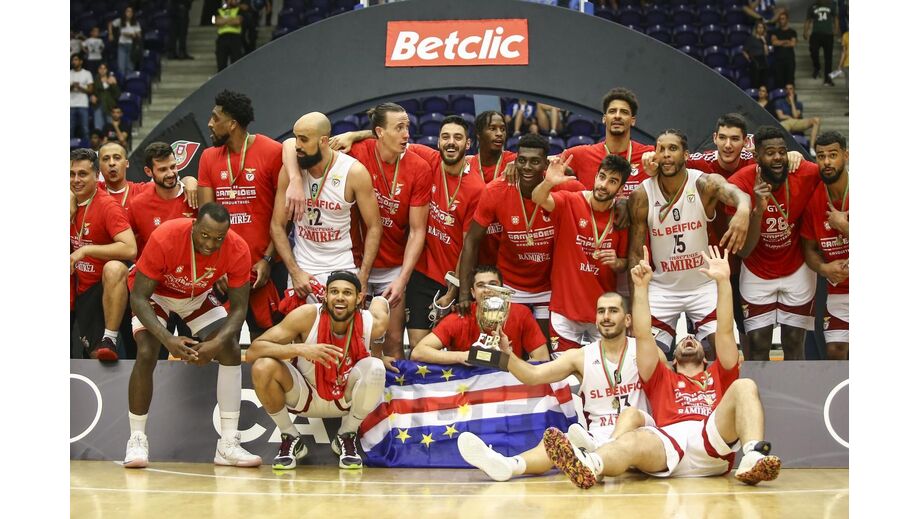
451	162
689	357
165	182
308	161
767	173
602	198
612	334
330	309
219	140
832	178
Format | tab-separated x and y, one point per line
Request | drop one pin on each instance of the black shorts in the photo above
419	293
89	319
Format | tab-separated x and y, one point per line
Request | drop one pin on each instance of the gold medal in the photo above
529	240
393	209
839	240
596	254
449	220
615	404
231	194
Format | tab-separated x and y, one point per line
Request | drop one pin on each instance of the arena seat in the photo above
710	15
130	104
738	61
290	18
578	140
736	16
660	33
607	14
579	125
462	104
347	124
438	104
712	35
777	93
556	145
512	143
137	83
684	35
657	15
683	15
715	57
411	106
430	124
428	140
738	34
629	16
752	92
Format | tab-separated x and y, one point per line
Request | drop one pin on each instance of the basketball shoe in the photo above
758	465
230	452
581	438
346	446
292	450
478	454
574	462
137	452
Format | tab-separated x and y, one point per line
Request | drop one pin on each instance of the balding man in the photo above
332	182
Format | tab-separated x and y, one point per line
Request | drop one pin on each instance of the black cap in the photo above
344	275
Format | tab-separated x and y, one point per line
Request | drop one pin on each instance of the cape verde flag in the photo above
425	407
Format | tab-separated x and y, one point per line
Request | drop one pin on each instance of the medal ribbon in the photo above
392	186
617	378
498	165
128	188
628	152
345	347
242	161
598	241
195	277
785	215
528	222
843	200
322	181
83	221
663	212
451	198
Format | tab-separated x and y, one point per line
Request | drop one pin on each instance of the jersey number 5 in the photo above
679	246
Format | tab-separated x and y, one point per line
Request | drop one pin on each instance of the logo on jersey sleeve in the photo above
582	223
185	151
691	197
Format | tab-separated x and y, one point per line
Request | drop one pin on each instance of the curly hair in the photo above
238	106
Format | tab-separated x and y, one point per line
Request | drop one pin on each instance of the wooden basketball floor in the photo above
105	489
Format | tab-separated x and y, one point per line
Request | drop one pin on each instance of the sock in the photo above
369	376
598	463
229	393
283	420
138	422
749	446
110	334
518	465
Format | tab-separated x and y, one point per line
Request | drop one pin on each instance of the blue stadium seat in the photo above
605	13
630	3
137	83
293	4
77	142
97	6
578	140
430	124
660	33
738	34
735	16
130	104
161	22
751	92
777	93
290	18
657	15
712	35
155	40
715	57
470	121
87	21
348	5
462	104
685	35
413	123
435	104
313	15
412	106
683	15
629	16
710	15
108	16
150	64
727	73
801	139
364	121
322	5
738	60
556	145
512	143
691	51
579	125
280	31
348	124
428	140
743	79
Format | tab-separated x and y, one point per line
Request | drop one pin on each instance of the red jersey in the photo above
524	255
586	160
577	278
488	247
678	398
249	195
412	189
126	196
167	259
488	173
149	210
447	222
778	253
95	223
459	333
708	162
833	245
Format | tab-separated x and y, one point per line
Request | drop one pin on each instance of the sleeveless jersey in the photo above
678	234
303	364
322	238
597	395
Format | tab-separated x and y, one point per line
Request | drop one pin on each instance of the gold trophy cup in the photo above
491	312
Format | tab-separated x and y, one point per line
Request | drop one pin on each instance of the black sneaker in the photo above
292	449
105	350
828	81
346	446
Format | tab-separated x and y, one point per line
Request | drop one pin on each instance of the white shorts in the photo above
667	305
538	302
786	300
694	449
837	318
604	435
202	313
304	400
380	279
567	334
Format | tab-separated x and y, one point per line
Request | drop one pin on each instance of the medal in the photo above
528	221
616	379
596	254
393	210
448	220
666	210
839	240
392	186
529	240
598	240
231	193
785	214
615	404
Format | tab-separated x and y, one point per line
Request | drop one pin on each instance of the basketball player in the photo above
672	211
402	185
588	251
100	241
776	286
826	239
181	263
164	202
702	414
113	165
526	232
333	183
450	340
240	172
318	362
610	384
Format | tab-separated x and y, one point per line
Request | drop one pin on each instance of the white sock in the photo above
138	422
518	465
229	393
283	420
749	446
110	334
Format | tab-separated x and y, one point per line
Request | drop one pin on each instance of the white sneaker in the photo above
230	452
758	465
574	462
136	453
581	438
481	456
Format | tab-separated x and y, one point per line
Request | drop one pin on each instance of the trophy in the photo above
491	312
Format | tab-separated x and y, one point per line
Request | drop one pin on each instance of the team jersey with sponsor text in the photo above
95	223
150	210
833	244
127	194
678	398
458	333
597	393
586	160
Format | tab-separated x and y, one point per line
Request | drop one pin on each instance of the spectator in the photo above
81	85
229	22
127	32
250	35
76	42
92	48
763	11
95	139
178	33
548	118
521	113
105	96
821	25
117	130
763	99
756	50
783	39
789	112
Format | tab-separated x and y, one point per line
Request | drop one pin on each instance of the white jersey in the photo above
322	237
306	366
597	395
678	234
